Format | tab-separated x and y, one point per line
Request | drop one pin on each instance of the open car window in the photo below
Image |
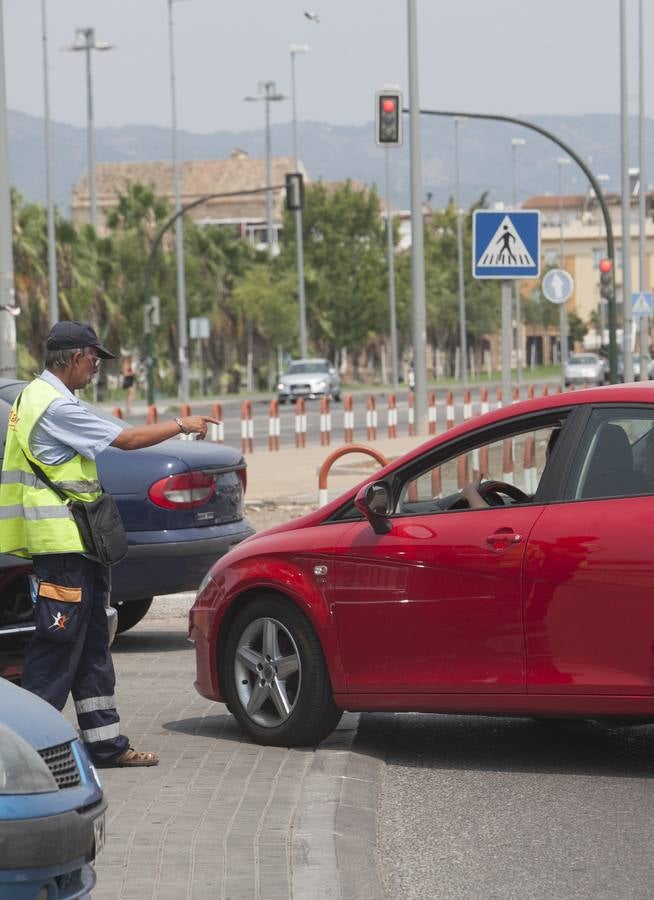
516	460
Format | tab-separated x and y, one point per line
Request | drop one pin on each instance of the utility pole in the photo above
7	293
642	192
463	337
53	304
626	202
390	252
299	238
182	325
419	316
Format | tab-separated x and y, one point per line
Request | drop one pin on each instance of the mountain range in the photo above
336	152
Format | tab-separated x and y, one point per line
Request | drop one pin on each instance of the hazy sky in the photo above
504	56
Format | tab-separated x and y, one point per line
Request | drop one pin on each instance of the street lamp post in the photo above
85	41
299	238
602	178
463	338
269	94
53	304
7	294
563	312
515	143
182	326
627	318
642	190
418	305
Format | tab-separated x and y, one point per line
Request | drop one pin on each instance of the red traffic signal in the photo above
388	118
605	265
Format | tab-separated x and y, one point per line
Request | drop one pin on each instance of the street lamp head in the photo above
298	48
518	142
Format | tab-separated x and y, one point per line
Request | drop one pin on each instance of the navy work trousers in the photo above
70	649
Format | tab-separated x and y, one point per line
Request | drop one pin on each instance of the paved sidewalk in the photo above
292	473
220	817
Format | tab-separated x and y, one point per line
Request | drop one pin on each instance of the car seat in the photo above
611	471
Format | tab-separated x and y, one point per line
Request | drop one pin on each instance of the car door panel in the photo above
589	598
435	604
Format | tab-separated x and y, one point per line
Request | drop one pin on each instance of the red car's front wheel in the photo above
276	681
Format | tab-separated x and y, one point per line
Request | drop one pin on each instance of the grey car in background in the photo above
586	368
309	378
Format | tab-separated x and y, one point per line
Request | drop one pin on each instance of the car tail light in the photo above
243	475
183	491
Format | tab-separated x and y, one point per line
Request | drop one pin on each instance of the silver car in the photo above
585	368
309	378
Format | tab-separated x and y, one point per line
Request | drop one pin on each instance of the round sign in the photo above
557	286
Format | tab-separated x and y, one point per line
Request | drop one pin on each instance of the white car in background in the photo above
586	368
309	378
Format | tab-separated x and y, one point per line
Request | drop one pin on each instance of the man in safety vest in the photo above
48	426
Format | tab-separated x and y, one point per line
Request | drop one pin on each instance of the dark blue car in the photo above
52	811
182	503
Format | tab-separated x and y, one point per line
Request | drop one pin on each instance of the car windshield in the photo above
581	360
303	368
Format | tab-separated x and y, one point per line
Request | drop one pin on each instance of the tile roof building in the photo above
198	178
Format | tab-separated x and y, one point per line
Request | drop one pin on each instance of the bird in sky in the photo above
312	16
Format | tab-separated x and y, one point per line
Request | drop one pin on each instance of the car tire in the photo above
131	612
295	711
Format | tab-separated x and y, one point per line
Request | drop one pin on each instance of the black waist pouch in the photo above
101	528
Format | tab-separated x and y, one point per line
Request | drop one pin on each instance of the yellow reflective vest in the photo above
33	519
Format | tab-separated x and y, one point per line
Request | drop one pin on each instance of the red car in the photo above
410	594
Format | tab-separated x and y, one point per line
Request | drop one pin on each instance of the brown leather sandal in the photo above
132	757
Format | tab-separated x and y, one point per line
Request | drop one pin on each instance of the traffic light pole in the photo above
610	245
149	267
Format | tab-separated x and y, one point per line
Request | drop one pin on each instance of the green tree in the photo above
345	265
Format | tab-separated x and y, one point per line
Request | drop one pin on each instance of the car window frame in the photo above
547	491
585	436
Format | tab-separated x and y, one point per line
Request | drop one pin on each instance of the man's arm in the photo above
149	435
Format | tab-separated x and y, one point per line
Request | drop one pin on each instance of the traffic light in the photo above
388	118
606	278
294	191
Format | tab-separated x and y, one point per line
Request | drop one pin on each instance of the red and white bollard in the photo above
412	413
247	428
371	418
531	476
392	416
449	410
516	394
348	419
546	391
436	482
152	416
186	411
217	432
462	477
432	413
484	407
507	461
467	405
500	399
531	392
325	422
300	423
273	425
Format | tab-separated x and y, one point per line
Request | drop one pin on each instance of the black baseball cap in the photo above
75	336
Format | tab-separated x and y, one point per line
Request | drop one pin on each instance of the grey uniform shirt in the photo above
68	427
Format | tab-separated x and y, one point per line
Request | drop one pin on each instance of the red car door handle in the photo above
500	540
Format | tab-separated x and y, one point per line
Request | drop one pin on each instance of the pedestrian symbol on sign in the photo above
512	251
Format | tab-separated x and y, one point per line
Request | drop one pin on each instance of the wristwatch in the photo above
182	426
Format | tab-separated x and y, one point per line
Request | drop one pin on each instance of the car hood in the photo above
304	377
40	724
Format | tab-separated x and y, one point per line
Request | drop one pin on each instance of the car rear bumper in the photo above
177	565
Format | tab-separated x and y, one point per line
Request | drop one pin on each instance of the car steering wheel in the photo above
491	491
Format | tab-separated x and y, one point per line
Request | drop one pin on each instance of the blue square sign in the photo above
506	244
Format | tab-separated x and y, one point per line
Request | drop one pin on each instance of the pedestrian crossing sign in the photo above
641	304
506	244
